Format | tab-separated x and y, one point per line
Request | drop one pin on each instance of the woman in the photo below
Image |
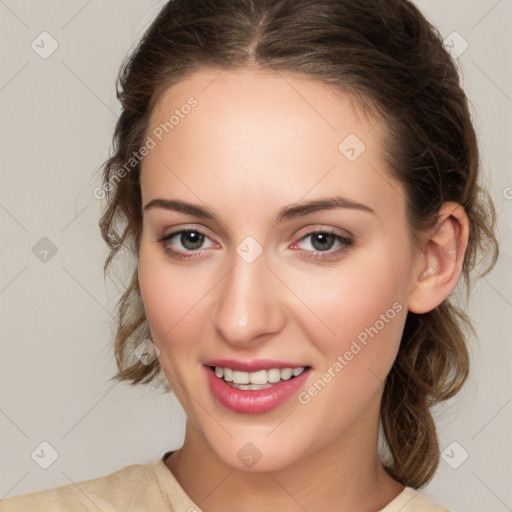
298	182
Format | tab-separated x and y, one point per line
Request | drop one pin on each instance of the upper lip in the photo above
253	365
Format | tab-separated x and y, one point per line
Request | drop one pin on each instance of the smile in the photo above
262	379
254	392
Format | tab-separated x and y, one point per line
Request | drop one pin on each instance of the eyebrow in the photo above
288	212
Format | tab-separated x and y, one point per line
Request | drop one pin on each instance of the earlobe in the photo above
440	263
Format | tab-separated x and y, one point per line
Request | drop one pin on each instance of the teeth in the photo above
228	374
258	377
240	377
274	375
253	380
252	387
286	373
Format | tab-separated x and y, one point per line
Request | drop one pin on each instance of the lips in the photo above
254	387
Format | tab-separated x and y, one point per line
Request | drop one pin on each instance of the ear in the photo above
439	263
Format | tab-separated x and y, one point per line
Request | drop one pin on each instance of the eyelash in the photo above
320	255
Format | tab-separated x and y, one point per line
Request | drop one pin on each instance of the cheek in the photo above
361	301
159	304
172	300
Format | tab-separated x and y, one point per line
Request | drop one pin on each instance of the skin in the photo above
255	143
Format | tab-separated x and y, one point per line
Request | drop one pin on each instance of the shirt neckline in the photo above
172	491
170	488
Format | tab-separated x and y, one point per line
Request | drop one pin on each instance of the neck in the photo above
346	475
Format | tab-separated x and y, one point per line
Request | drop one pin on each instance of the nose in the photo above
249	310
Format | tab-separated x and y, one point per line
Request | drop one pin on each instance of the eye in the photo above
322	242
191	240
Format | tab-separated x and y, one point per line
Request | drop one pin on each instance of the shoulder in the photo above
106	493
410	500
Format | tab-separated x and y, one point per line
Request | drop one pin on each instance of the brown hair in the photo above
386	54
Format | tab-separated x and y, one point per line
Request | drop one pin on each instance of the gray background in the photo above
57	117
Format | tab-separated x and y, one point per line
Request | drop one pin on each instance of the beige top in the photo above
150	487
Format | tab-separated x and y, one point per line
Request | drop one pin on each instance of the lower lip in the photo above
254	401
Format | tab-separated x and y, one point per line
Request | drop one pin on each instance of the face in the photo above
252	283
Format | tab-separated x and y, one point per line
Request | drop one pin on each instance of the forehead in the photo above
247	90
264	132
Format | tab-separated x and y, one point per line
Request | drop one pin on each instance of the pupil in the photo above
192	239
325	239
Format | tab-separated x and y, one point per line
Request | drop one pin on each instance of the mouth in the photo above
255	381
257	391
